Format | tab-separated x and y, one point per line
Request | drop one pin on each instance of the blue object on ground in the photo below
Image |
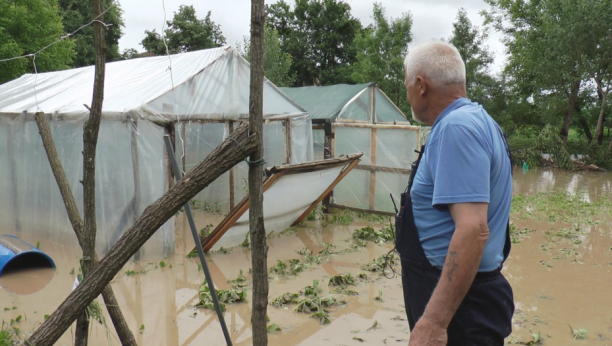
17	254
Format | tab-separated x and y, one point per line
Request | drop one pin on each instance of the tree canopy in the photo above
27	26
381	49
277	64
76	13
185	33
318	34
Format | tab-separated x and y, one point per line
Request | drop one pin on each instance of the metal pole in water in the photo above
178	175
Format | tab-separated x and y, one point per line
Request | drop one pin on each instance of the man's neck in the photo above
438	106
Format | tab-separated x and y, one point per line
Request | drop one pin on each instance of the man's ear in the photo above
421	83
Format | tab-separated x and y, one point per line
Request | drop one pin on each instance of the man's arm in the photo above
460	268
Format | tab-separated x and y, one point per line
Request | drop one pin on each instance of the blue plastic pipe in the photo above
16	253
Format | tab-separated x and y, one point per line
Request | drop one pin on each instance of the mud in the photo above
556	282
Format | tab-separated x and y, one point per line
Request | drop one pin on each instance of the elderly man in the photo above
452	230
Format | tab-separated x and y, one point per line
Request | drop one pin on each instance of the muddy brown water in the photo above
550	293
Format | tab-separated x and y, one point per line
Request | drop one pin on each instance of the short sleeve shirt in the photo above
465	160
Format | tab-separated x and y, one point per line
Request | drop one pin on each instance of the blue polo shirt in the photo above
465	161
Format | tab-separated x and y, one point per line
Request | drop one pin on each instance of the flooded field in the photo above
560	268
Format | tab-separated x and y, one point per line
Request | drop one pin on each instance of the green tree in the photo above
27	26
318	34
76	13
185	33
277	64
381	48
129	53
470	42
551	45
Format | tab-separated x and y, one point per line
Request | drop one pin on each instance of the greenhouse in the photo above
361	118
196	98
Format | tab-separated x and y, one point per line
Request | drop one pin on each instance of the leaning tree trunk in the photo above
571	104
259	248
90	141
123	331
227	155
602	111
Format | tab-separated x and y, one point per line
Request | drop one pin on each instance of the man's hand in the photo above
428	333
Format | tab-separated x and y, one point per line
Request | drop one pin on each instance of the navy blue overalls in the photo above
485	315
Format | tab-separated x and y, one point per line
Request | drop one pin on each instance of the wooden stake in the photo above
372	183
259	248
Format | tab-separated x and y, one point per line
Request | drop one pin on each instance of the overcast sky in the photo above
431	18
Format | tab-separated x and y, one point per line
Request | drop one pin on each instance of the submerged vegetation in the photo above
236	294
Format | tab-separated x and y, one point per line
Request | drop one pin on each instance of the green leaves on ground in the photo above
341	280
378	264
287	268
228	296
368	233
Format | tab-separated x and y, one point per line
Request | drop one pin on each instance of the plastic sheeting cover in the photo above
209	84
394	149
284	202
324	102
30	198
386	112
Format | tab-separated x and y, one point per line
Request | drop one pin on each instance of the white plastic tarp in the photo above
287	199
208	84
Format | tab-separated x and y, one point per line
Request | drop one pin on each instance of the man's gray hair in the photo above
437	61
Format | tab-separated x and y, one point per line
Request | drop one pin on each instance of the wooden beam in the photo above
328	190
377	126
337	206
135	177
313	165
372	184
209	241
231	173
287	125
383	169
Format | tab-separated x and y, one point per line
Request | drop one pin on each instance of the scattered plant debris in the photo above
287	268
230	296
379	297
342	280
273	328
286	299
381	236
327	249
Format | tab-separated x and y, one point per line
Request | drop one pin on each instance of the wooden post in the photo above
170	131
183	146
259	248
135	176
372	189
372	184
328	154
90	141
10	146
287	127
231	174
